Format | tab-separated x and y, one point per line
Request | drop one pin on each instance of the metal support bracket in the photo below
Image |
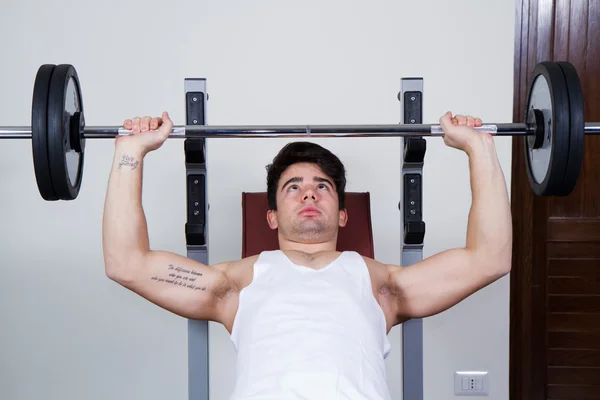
411	97
196	231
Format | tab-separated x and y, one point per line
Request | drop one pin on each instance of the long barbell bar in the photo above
553	129
249	131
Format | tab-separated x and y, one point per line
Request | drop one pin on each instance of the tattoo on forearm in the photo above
181	277
128	161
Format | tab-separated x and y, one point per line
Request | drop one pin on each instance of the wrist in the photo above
129	148
128	157
479	144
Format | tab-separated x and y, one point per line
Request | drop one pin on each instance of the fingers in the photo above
155	123
135	125
462	120
472	122
447	121
143	124
166	126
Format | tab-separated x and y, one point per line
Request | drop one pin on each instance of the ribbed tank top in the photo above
302	333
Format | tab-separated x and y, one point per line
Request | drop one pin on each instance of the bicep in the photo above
438	283
179	284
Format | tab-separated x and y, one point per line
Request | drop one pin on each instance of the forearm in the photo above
124	229
489	229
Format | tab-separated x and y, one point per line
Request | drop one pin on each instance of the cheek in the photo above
332	197
285	201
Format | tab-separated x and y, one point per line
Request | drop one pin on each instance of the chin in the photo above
312	232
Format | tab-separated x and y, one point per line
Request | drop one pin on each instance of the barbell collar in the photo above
592	128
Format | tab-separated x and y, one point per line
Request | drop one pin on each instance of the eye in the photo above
292	187
322	186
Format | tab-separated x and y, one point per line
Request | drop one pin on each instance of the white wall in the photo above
67	332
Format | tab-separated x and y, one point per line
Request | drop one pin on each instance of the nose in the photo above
309	194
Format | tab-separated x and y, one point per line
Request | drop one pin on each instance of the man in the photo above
307	322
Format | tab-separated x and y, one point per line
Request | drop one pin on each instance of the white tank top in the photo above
302	333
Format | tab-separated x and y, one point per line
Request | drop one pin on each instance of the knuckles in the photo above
142	124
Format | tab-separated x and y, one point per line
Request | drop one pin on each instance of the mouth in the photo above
309	211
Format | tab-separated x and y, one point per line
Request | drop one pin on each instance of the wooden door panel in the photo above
573	376
573	285
585	267
575	322
555	280
573	229
573	392
576	303
573	358
573	340
567	249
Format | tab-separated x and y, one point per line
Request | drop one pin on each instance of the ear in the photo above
272	219
343	218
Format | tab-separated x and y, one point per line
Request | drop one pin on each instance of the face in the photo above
307	205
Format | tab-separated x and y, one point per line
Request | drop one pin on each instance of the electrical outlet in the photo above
471	383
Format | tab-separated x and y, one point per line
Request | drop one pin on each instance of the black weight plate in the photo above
577	129
64	100
546	166
39	135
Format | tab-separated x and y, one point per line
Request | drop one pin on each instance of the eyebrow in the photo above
299	179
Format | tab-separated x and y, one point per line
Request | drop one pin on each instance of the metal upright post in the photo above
411	97
196	232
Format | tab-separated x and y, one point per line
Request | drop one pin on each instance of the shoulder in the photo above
379	271
228	266
377	265
238	272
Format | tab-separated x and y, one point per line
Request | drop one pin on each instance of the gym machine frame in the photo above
413	230
196	233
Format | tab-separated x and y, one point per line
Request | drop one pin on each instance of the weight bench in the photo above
357	235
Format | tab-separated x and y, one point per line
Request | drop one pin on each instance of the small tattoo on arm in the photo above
128	161
181	277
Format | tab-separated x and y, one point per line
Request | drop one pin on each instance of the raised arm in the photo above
171	281
444	279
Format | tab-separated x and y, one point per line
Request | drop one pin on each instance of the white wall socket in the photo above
471	383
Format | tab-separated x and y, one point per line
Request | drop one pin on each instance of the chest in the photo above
316	261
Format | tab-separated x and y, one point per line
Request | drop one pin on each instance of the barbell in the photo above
554	130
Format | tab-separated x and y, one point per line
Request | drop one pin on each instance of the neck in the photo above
307	247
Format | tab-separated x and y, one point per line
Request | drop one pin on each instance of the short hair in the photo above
306	152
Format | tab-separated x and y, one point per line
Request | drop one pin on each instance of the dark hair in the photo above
306	152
